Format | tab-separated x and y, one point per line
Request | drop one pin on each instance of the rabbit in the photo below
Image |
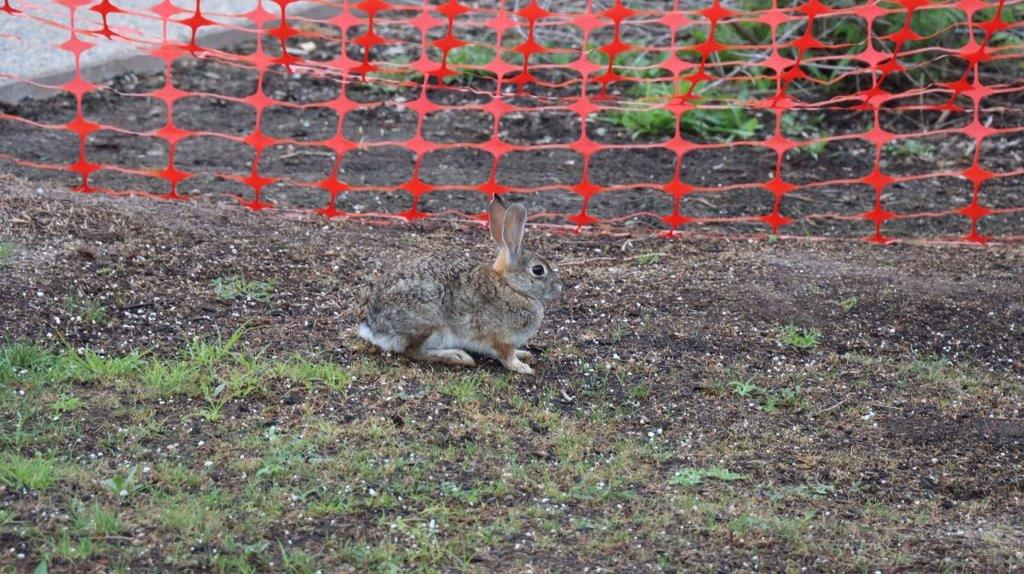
436	309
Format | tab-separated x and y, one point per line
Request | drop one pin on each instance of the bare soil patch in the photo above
866	400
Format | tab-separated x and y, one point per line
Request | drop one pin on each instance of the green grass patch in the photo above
66	404
798	338
88	311
124	485
467	60
24	362
89	366
94	520
36	473
238	287
791	398
849	303
6	253
693	476
466	388
648	258
229	458
314	373
649	120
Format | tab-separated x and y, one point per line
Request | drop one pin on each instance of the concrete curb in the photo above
117	64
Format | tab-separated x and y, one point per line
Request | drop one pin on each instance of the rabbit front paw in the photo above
518	366
524	355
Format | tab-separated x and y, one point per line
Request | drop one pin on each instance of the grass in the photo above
6	253
237	286
223	457
124	486
94	520
35	473
90	366
65	404
808	128
312	373
86	311
693	476
466	60
798	338
648	258
912	149
718	124
790	398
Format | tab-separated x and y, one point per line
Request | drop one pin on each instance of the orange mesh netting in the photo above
887	119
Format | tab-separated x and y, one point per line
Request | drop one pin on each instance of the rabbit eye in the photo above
538	270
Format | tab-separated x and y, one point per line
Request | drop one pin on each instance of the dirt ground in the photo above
698	404
182	389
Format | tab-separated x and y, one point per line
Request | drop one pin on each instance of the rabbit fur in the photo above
435	309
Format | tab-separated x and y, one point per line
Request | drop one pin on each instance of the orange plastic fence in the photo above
588	58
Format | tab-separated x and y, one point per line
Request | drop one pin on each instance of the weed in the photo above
723	125
719	124
36	473
75	549
467	60
793	399
93	520
648	258
166	378
90	366
848	303
637	64
236	286
25	361
800	338
190	516
745	388
790	398
338	504
287	457
203	353
397	73
645	123
693	476
6	253
65	404
314	373
464	388
913	149
297	561
639	392
243	379
809	128
124	486
87	311
19	436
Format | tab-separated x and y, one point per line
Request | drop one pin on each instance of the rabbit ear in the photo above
497	212
515	226
497	219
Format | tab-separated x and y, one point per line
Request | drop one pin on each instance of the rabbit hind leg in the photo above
415	350
449	356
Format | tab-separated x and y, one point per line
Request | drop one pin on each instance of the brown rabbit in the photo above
437	309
